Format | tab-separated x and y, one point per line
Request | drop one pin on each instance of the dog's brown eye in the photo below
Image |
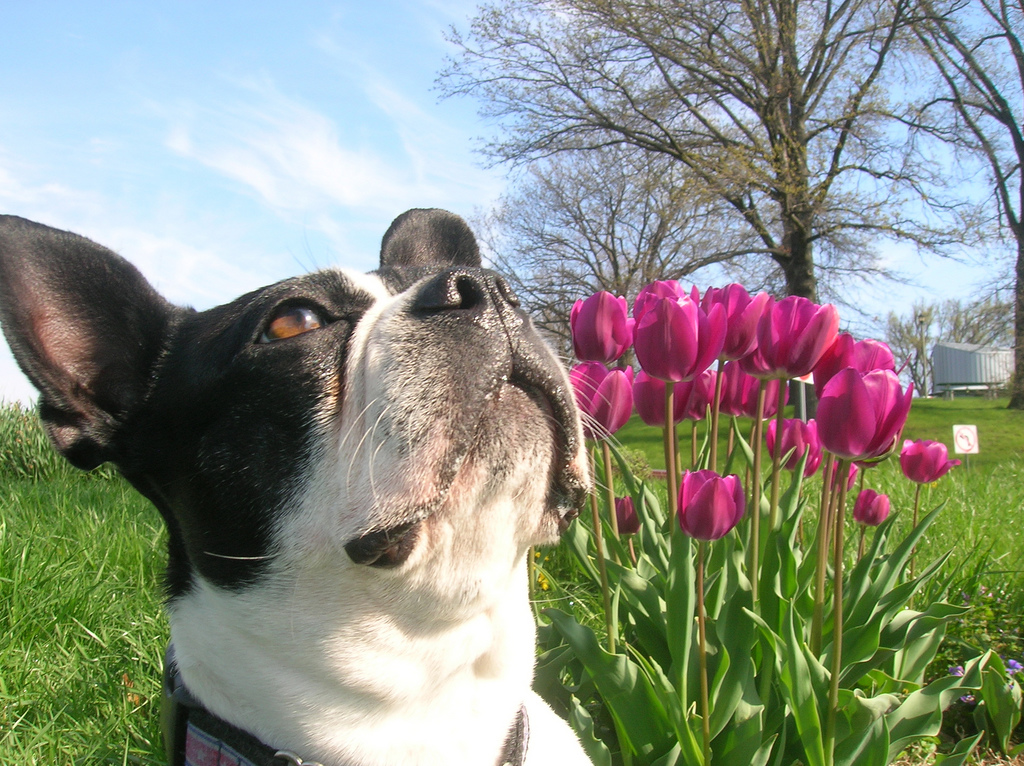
290	322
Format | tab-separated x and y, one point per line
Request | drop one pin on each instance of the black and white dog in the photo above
351	468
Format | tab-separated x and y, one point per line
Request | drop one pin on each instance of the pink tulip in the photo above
625	516
800	437
851	477
734	381
861	414
742	314
649	400
697	395
675	340
709	505
739	393
605	397
771	398
863	355
792	335
654	292
925	461
601	328
871	508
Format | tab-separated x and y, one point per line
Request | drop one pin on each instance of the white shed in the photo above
970	366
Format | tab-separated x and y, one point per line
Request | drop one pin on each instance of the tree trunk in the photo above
1017	383
798	265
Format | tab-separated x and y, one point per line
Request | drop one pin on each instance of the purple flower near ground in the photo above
956	670
1013	667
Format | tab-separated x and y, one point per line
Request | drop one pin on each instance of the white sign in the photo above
965	440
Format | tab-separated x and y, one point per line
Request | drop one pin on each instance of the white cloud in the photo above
293	157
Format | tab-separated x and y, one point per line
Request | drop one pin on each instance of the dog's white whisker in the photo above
237	558
367	434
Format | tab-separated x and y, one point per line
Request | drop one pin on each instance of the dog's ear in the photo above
429	237
84	326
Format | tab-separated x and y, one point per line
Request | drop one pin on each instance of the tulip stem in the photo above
603	570
917	511
755	495
693	445
670	450
715	406
705	704
837	617
773	513
820	565
610	490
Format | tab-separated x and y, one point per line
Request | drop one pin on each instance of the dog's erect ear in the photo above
429	237
85	327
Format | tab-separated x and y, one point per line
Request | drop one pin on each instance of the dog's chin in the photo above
516	461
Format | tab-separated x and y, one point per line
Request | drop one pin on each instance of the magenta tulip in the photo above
625	515
734	382
742	315
851	477
654	292
861	414
925	461
649	400
863	355
605	397
871	508
675	340
709	505
739	393
601	328
697	395
801	438
792	335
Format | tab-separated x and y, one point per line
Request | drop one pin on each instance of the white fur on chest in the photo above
321	671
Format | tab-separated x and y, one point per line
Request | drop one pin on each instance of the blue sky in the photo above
222	146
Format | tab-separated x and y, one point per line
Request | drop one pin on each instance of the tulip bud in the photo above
605	397
743	312
871	508
792	335
697	395
739	393
860	415
925	461
863	355
601	328
649	400
675	340
626	516
709	505
800	437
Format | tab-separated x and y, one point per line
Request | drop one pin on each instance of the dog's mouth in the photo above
390	547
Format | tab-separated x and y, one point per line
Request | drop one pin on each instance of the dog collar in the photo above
193	736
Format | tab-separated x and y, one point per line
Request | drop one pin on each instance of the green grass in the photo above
80	615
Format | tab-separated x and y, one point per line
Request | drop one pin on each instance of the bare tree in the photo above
977	49
776	108
613	219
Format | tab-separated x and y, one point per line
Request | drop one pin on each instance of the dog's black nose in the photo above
464	290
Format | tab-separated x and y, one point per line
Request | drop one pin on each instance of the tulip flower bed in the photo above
738	623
